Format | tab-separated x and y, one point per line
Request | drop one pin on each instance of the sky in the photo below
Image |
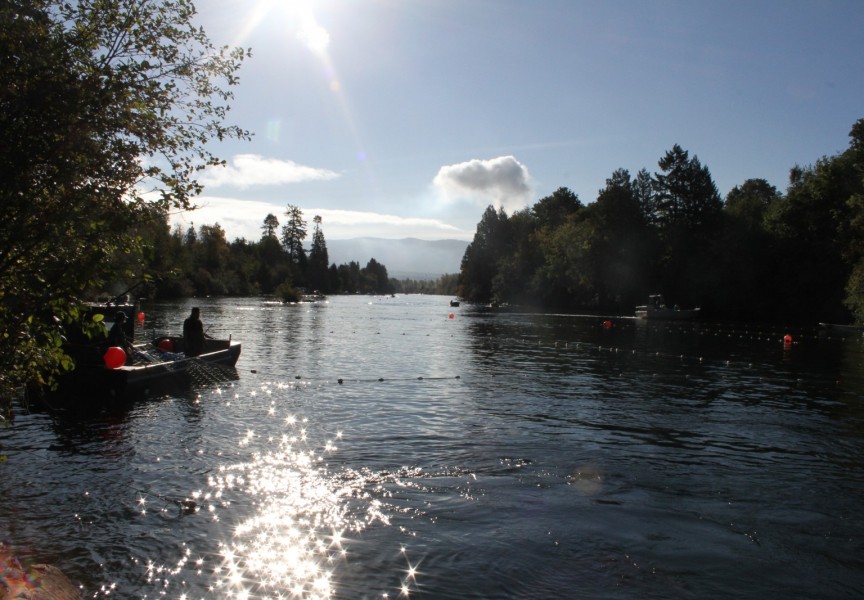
407	118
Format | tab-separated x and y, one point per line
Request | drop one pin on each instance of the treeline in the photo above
757	255
202	262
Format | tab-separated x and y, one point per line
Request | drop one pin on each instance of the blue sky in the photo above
407	118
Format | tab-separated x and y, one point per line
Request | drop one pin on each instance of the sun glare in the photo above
312	35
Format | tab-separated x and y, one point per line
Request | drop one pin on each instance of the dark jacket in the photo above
193	336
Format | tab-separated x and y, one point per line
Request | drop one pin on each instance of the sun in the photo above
297	16
312	35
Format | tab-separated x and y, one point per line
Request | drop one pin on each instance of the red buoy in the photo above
115	357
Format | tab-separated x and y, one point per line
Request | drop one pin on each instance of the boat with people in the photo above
657	309
153	364
100	367
163	358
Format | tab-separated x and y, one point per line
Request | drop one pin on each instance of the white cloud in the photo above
503	182
243	219
247	170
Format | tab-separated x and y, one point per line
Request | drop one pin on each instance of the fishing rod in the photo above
123	294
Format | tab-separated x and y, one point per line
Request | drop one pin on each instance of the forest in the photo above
202	262
759	254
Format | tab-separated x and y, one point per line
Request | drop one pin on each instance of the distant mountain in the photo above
406	258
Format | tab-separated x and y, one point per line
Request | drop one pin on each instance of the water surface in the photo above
375	447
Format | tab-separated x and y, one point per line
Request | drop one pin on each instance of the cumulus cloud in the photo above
504	182
246	170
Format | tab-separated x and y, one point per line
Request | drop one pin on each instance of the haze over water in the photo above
374	447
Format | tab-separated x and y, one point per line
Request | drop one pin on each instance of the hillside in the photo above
407	257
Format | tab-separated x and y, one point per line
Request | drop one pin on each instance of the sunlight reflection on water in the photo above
291	521
386	451
295	535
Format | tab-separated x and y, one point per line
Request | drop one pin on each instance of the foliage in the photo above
288	293
103	102
201	262
271	223
479	263
318	275
293	234
759	255
443	286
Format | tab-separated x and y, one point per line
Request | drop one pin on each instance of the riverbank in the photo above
37	582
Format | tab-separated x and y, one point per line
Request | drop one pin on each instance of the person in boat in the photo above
117	336
193	334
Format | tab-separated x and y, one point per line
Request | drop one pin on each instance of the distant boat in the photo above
314	297
454	303
834	327
657	309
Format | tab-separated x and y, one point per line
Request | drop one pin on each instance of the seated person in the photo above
193	334
117	336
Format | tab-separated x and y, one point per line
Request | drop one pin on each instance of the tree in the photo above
553	210
513	280
293	234
686	195
480	261
749	202
621	248
818	229
687	212
318	259
271	224
853	228
212	261
374	278
90	88
349	276
274	266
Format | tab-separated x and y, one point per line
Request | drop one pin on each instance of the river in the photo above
397	447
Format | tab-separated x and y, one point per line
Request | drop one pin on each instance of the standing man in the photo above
193	333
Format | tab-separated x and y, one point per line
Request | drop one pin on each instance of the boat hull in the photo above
659	310
153	370
145	374
666	314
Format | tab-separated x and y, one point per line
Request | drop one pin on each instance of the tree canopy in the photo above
107	111
759	255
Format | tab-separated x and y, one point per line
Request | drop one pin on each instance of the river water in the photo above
378	447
